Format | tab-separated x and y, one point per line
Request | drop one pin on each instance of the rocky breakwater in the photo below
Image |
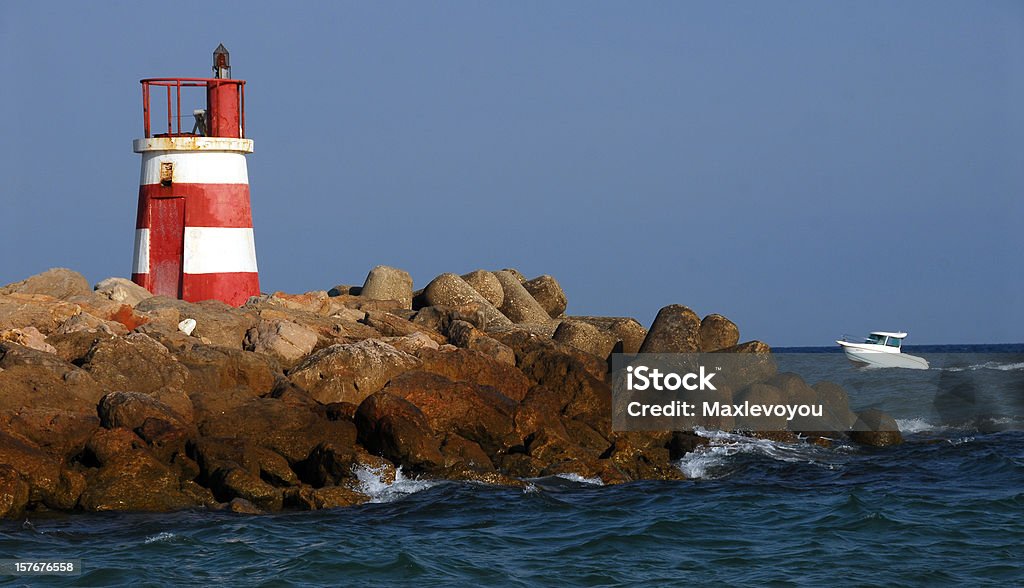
110	399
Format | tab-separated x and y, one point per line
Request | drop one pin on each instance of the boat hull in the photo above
881	359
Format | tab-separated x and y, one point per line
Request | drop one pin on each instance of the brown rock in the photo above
463	334
487	285
451	290
131	409
271	423
761	394
396	429
518	304
43	312
467	365
390	325
14	493
130	477
136	363
627	330
220	323
547	291
123	291
586	337
388	283
28	337
337	497
462	454
284	340
219	369
717	332
57	282
745	364
836	402
876	429
350	373
676	329
31	378
234	483
475	412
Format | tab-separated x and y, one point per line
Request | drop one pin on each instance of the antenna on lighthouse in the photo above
221	63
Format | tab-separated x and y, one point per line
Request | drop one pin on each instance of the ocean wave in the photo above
917	425
378	485
988	365
573	477
159	537
709	461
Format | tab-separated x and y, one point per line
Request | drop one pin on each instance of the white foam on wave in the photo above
159	537
917	425
708	461
573	477
375	483
988	365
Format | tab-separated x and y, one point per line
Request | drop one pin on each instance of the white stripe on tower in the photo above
195	167
215	250
140	261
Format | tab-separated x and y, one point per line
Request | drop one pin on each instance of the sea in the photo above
944	508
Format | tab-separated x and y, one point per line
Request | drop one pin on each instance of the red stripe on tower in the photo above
194	237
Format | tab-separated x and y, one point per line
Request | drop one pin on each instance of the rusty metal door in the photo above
167	245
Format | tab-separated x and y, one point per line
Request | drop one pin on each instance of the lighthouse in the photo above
193	234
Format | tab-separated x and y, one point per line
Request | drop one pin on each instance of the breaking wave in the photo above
713	461
378	485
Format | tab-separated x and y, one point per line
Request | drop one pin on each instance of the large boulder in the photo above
518	304
876	429
676	329
396	429
451	290
130	478
388	283
548	293
279	426
219	323
123	291
487	285
35	379
350	373
472	411
465	335
627	330
132	409
214	369
14	492
137	363
57	282
41	311
470	365
717	332
745	364
28	337
284	340
49	483
585	337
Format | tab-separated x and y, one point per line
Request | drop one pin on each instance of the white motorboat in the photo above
881	349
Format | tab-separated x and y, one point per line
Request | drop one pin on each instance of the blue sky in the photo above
804	168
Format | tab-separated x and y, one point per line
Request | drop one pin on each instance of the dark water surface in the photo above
946	508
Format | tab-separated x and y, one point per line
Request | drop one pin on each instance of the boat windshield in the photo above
875	339
893	342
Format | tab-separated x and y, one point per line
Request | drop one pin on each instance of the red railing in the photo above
174	113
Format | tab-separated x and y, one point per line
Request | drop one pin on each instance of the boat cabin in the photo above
886	338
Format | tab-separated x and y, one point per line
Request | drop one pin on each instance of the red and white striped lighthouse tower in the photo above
193	237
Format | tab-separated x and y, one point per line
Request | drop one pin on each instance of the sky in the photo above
806	169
